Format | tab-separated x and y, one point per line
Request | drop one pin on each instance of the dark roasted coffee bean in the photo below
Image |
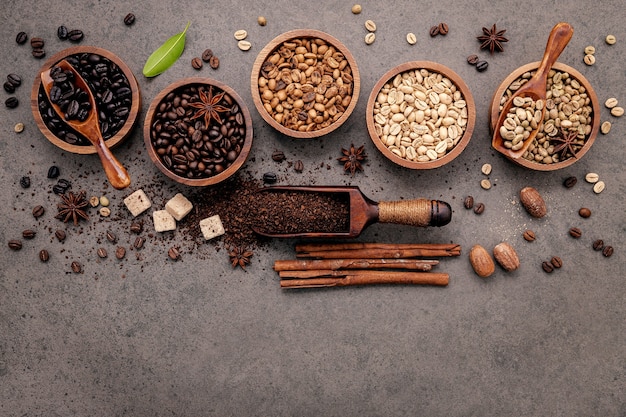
77	268
468	202
62	32
44	256
58	189
129	19
136	227
65	184
196	63
25	182
547	266
584	212
206	55
298	166
53	172
139	241
14	79
479	208
443	28
434	31
556	262
38	53
28	234
607	251
120	252
598	244
569	182
481	66
102	253
21	38
37	43
60	235
214	62
472	59
75	35
111	237
173	253
269	178
529	236
38	211
8	87
11	102
278	156
15	244
575	232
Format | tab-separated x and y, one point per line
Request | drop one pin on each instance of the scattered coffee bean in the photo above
60	235
598	245
25	182
8	87
19	127
411	38
269	178
584	212
44	256
62	32
370	26
105	211
38	211
206	55
28	234
53	172
529	236
356	9
485	184
139	241
14	79
102	253
21	38
610	39
120	252
589	59
479	208
241	34
11	102
196	63
481	66
77	268
605	127
370	37
547	267
15	244
298	166
214	62
468	202
278	156
111	237
569	182
598	187
104	201
486	169
575	232
244	45
590	50
136	227
617	111
556	262
129	19
443	28
607	251
434	31
592	177
37	43
58	189
75	35
473	59
94	201
173	253
38	53
262	21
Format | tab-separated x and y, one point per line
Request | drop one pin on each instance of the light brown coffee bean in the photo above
584	212
38	211
173	253
139	241
575	232
102	253
261	20
529	236
468	202
120	252
44	256
60	235
111	237
15	244
356	9
556	262
214	62
76	266
443	28
196	63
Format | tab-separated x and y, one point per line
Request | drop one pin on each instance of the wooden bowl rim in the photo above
270	47
433	67
228	172
126	129
595	127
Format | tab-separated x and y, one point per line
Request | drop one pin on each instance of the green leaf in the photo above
165	56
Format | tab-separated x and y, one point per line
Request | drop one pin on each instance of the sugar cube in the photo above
137	203
212	227
178	206
163	221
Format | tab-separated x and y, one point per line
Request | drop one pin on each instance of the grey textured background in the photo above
149	337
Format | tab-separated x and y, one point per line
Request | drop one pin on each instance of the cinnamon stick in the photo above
366	277
336	264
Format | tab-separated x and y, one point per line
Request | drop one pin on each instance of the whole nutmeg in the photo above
533	202
506	256
481	261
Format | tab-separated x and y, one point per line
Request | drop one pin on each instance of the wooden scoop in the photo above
90	128
363	212
535	88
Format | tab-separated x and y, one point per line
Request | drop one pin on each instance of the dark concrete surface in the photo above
150	337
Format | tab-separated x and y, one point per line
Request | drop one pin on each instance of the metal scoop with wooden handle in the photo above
534	89
90	127
363	212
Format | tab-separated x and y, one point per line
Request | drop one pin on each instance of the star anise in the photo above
73	207
240	256
209	107
352	158
565	143
492	39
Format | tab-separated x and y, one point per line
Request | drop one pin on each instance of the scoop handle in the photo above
114	170
419	212
557	41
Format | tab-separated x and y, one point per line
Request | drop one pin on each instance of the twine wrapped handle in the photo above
419	212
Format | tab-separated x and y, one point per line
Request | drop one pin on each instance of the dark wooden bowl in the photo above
494	113
113	141
217	178
435	68
270	48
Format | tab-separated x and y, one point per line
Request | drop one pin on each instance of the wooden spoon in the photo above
363	212
90	128
535	88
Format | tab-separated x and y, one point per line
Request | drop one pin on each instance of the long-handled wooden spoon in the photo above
90	127
535	89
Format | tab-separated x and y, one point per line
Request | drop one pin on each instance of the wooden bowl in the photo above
122	133
215	87
313	130
378	136
494	113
